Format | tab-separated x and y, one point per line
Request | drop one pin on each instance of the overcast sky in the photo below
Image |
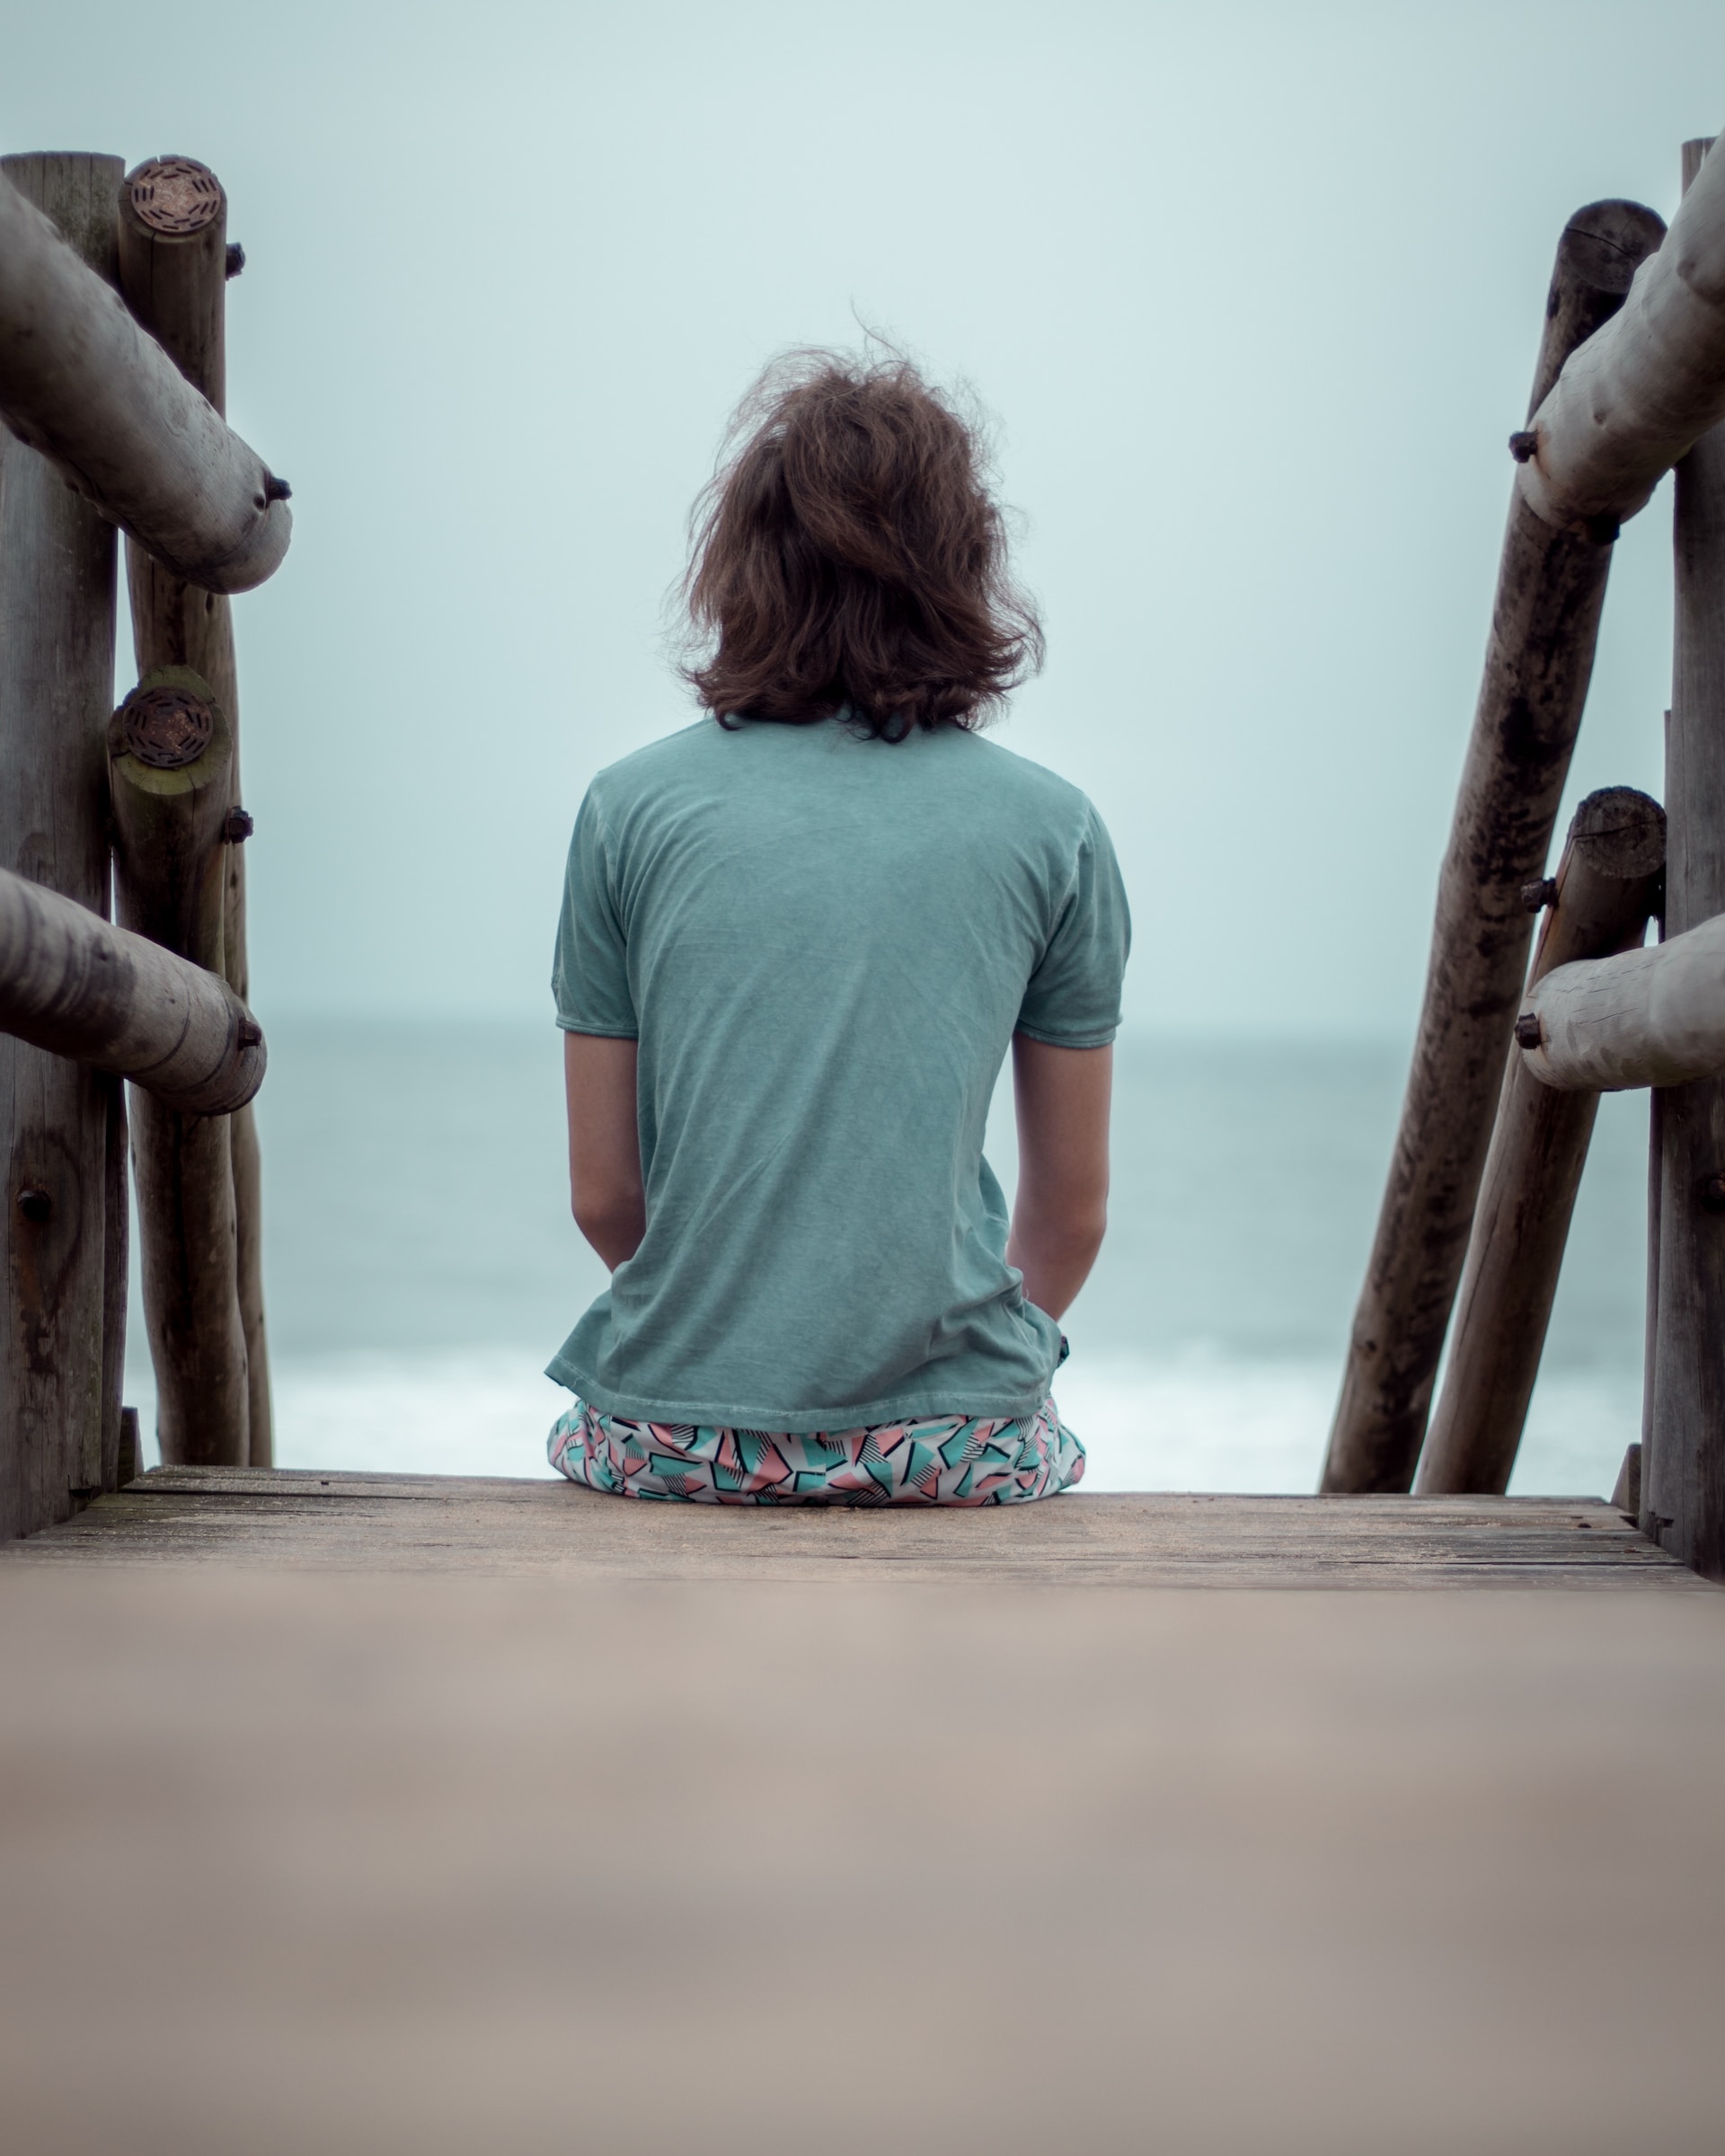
1253	292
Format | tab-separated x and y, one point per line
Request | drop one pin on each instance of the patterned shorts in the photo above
952	1460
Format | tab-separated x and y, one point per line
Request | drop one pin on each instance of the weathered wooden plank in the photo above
64	1328
84	386
1539	658
411	1522
1607	884
511	1865
173	272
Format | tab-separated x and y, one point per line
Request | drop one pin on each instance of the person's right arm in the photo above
605	1186
1061	1096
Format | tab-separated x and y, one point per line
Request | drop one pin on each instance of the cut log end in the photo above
1621	831
166	727
1604	244
176	197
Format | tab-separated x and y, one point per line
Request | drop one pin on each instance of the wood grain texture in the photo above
248	1258
1645	386
1608	883
1683	1470
174	280
445	1864
169	873
1539	658
175	284
76	987
413	1523
83	385
58	1417
1651	1017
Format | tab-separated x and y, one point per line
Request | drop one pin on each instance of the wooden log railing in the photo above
1644	389
82	988
1606	887
1539	658
111	403
1651	1017
95	395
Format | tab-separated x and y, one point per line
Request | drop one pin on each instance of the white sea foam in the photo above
1203	1423
1196	1422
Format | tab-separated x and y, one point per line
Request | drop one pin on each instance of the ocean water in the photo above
421	1265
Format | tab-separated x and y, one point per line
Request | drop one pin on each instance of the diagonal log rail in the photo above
1607	885
1539	657
81	383
74	985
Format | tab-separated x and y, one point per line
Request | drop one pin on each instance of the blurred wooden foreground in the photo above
362	1814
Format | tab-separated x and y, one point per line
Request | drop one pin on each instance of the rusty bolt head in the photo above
35	1205
235	260
1603	530
1710	1193
1535	896
237	827
1529	1033
1524	448
274	489
251	1033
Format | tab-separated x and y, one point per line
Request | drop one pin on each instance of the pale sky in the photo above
1253	292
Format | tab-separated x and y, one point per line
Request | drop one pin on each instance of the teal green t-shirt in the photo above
824	945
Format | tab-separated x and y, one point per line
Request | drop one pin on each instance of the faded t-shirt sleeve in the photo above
1073	997
590	977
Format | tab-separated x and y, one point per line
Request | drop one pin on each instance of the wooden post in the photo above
173	270
83	385
1539	657
59	1404
1682	1473
1607	885
170	757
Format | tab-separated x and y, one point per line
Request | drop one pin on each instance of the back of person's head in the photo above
849	556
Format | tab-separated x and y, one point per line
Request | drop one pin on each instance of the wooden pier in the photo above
408	1522
374	1813
364	1812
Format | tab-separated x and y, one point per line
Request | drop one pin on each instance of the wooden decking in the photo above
402	1522
360	1815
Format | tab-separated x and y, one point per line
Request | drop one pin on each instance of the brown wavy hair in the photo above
849	555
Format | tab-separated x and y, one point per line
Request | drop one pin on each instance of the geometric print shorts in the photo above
948	1460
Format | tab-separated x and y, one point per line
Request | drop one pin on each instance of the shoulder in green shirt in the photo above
824	945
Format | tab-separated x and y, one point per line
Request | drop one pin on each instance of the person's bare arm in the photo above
605	1190
1061	1096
